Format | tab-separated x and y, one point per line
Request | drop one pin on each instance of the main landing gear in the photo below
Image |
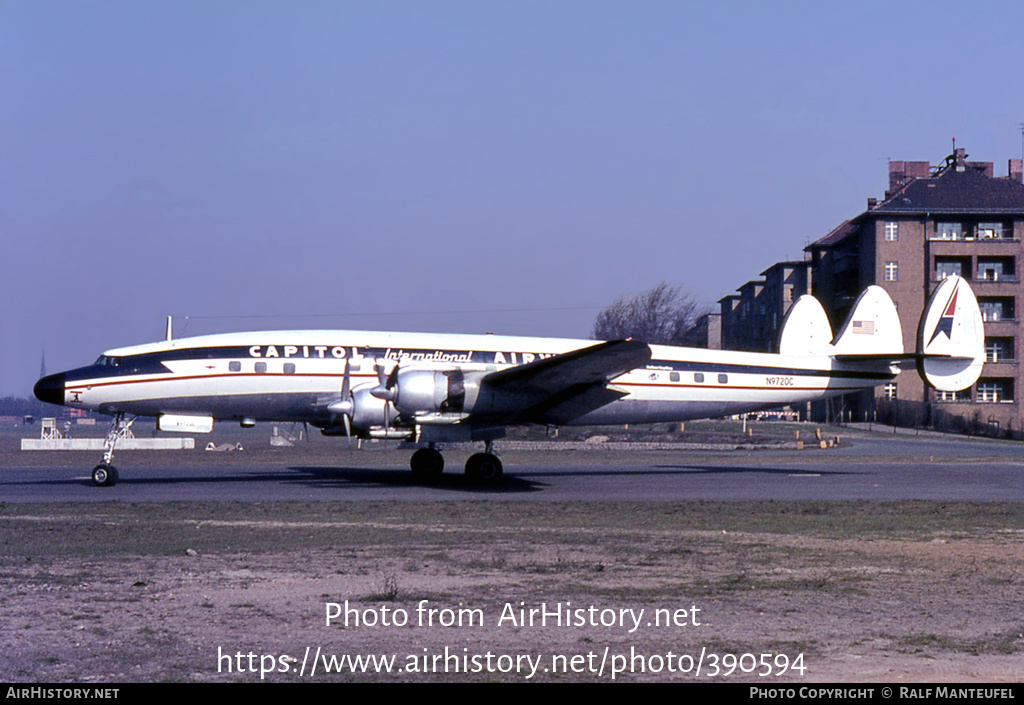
428	463
105	474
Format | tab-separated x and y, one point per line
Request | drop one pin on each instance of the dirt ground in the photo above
827	592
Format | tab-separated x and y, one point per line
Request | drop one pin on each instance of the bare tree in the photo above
664	315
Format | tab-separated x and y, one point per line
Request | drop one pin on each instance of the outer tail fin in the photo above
872	328
951	337
805	330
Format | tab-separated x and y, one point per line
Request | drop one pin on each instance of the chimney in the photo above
902	173
897	176
960	158
872	203
1017	170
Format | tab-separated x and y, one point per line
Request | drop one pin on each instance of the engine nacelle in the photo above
368	410
363	409
430	390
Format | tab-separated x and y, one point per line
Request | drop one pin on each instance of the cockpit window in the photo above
104	361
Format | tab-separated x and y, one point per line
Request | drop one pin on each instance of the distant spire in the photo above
42	365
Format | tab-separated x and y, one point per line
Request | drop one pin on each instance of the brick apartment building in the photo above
952	218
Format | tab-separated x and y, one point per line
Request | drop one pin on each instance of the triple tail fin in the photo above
950	337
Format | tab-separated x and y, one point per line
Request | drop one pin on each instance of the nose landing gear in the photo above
105	474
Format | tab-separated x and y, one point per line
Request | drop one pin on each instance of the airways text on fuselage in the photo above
339	352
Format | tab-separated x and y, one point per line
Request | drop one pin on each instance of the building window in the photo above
996	309
948	269
994	270
990	231
949	231
892	231
963	395
995	390
889	390
892	271
998	349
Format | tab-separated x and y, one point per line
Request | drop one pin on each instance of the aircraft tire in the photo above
484	467
427	463
104	475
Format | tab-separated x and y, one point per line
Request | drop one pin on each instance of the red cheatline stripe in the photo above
337	377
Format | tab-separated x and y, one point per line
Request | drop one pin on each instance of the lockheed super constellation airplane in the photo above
434	389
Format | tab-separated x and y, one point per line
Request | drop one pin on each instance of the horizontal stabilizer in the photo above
951	337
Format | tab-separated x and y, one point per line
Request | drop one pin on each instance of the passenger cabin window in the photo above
289	368
698	376
673	376
235	366
261	368
722	379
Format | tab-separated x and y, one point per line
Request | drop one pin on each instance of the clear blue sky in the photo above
452	166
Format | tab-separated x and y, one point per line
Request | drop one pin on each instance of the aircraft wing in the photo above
559	388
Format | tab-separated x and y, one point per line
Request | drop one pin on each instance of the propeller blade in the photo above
346	382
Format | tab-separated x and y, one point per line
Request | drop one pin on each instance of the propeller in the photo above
345	407
387	384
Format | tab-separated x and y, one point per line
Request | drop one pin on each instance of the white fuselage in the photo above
294	375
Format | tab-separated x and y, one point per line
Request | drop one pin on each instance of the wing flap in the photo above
597	363
560	388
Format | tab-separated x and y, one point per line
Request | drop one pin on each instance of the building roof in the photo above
792	264
839	234
967	190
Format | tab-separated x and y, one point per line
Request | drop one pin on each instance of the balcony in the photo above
999	325
990	283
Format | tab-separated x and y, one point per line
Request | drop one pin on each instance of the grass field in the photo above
859	591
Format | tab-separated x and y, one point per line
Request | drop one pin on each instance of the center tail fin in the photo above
872	329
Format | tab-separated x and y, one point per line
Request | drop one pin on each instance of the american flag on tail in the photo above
864	327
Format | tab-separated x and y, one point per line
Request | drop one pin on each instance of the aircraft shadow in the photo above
311	476
518	481
333	476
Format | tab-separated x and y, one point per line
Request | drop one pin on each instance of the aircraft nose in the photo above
50	389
